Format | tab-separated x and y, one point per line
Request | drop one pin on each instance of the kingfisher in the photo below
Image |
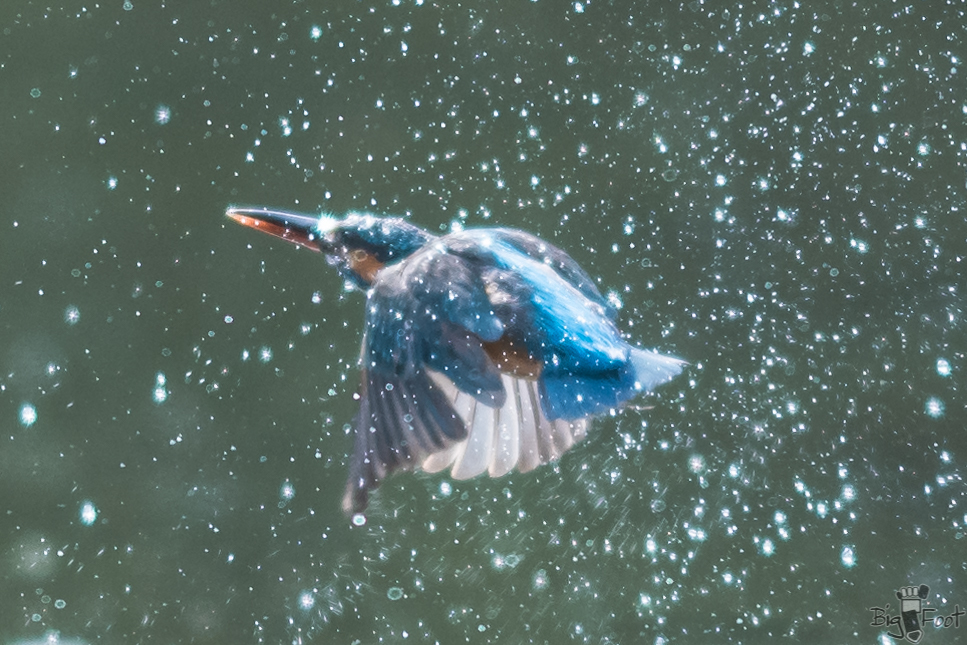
485	350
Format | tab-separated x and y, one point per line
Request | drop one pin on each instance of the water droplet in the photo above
696	463
943	367
160	395
72	315
848	556
540	579
934	407
768	547
306	600
88	513
28	415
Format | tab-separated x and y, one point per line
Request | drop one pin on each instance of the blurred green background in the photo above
774	191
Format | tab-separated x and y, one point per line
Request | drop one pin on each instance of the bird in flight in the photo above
484	351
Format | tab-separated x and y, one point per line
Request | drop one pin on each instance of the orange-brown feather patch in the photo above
513	358
364	265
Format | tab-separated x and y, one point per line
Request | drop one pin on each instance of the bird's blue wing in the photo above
427	313
587	368
569	326
432	311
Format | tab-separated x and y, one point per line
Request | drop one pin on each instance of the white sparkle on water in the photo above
307	600
934	407
316	32
71	315
615	300
28	415
768	547
696	534
848	556
162	114
540	579
160	392
88	513
112	182
696	463
943	367
287	491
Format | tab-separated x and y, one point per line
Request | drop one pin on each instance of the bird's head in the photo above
357	245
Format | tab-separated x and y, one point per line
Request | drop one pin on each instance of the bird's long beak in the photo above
302	230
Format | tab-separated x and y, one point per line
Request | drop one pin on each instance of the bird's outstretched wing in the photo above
428	313
486	351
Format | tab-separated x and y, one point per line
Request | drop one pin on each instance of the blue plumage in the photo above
485	350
